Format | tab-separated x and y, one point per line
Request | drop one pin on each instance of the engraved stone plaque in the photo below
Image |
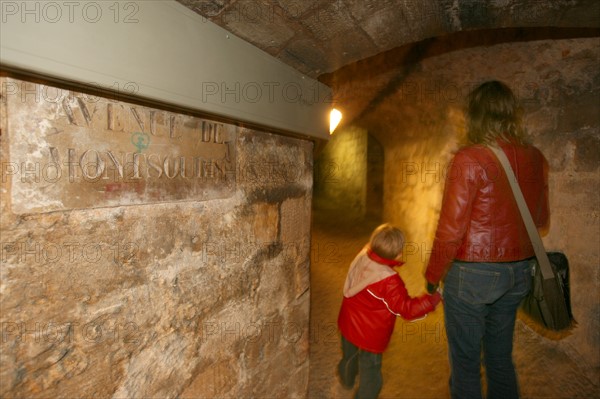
72	150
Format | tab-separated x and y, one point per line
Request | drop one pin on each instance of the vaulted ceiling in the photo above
317	37
365	49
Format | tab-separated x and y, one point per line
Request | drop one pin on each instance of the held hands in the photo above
435	292
431	288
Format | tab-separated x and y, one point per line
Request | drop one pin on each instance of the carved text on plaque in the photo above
71	150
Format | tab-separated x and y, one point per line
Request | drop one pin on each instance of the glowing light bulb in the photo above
334	120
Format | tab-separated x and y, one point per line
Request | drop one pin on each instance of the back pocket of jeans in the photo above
477	286
523	279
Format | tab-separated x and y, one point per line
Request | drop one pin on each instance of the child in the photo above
374	294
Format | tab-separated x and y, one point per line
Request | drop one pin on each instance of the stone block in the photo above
265	224
557	150
214	380
587	152
578	110
152	298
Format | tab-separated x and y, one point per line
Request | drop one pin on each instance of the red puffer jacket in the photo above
374	294
480	220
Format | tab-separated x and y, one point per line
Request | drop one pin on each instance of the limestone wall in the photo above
341	174
558	83
149	254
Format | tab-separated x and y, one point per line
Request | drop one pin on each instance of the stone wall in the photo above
558	83
375	162
126	272
341	174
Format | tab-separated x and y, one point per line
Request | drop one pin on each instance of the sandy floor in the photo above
415	364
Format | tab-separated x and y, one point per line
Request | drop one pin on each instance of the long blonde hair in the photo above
493	113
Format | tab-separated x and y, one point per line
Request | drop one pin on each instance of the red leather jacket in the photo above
480	220
374	294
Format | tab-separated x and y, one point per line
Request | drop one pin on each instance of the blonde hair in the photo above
492	113
387	241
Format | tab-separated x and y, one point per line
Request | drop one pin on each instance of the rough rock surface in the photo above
173	297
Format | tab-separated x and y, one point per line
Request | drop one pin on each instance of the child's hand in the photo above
435	298
431	288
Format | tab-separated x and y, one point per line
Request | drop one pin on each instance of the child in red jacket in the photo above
374	294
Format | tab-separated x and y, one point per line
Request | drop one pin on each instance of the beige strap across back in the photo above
534	235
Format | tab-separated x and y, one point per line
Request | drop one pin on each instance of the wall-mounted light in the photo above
335	117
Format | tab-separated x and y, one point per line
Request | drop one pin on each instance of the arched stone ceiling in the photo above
317	37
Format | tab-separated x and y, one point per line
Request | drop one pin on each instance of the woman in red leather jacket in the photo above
374	295
481	249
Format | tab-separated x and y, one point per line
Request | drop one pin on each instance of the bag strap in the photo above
534	235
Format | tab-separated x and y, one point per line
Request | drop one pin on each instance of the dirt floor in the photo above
415	365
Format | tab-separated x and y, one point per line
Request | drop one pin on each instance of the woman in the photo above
481	249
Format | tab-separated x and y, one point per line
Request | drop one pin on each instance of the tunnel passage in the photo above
209	297
348	175
411	101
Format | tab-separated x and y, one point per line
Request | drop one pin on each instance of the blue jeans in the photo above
480	306
366	364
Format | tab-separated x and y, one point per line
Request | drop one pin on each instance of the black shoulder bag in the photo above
548	303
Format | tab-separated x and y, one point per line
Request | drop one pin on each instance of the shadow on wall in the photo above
348	181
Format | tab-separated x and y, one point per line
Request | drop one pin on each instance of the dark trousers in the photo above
480	306
368	367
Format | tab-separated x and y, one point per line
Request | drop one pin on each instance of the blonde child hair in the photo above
387	241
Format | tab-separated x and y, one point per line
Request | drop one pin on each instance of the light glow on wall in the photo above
335	116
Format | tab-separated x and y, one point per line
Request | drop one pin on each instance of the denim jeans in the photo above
368	367
480	306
